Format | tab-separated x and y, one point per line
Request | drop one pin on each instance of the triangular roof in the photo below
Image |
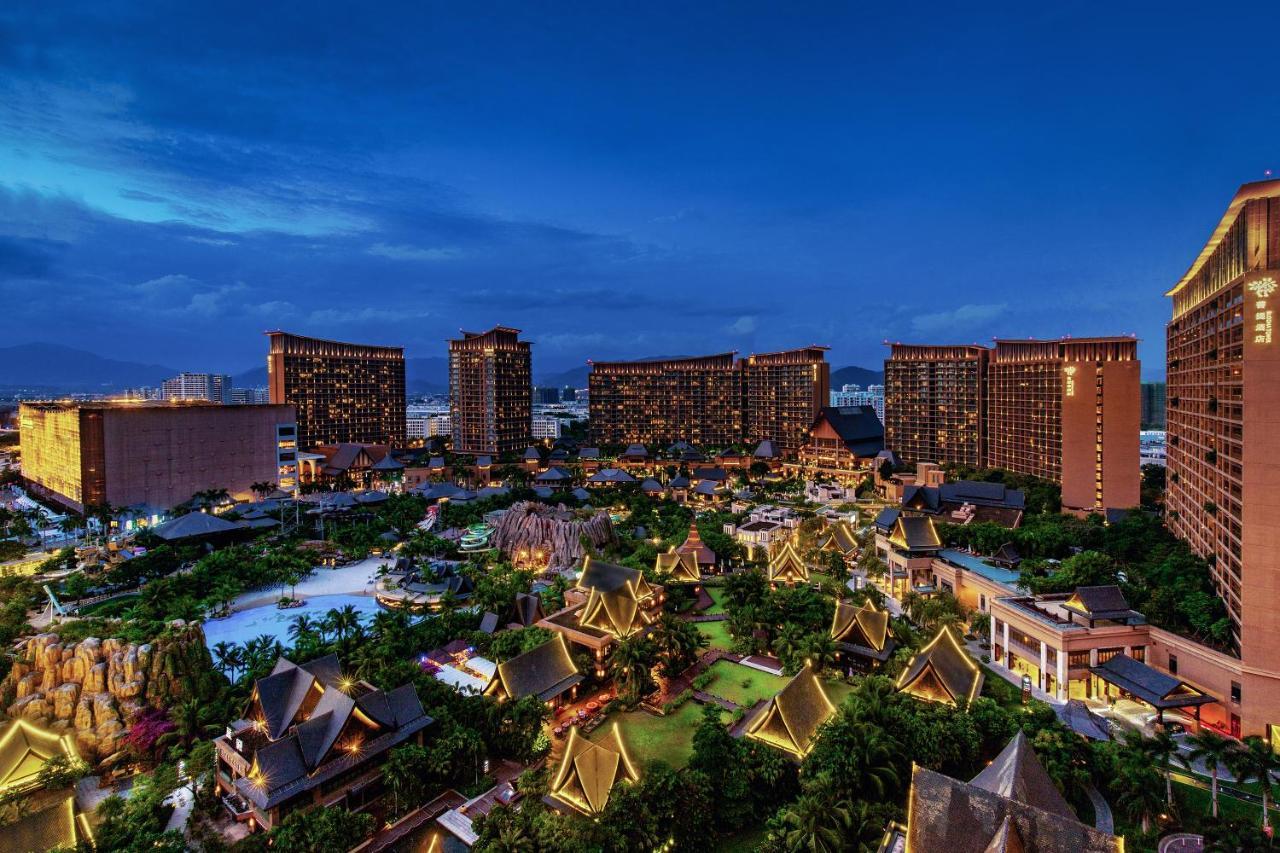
1099	602
693	544
544	671
839	537
611	475
650	485
24	749
553	474
1007	839
765	450
528	609
1017	774
617	612
787	566
942	671
681	565
915	533
857	427
791	719
860	626
589	770
636	450
194	524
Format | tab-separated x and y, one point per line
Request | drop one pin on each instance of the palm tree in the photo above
1138	797
1162	751
1255	761
788	641
348	620
300	627
630	664
814	823
222	652
820	650
1213	749
869	761
403	773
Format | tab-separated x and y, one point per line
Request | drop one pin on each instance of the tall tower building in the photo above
783	392
207	387
491	391
934	402
1223	423
342	392
1153	405
697	399
1068	411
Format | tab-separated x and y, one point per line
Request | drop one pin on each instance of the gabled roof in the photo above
387	463
887	518
1152	686
588	771
580	493
636	450
1017	774
681	565
707	488
528	609
618	612
959	817
714	473
863	626
650	485
787	567
553	475
941	672
544	671
693	544
915	533
765	450
793	716
610	577
195	524
1099	602
839	537
589	453
532	454
857	426
24	749
611	475
680	481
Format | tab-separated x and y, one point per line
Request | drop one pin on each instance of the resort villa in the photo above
608	603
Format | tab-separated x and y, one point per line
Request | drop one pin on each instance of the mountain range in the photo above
63	369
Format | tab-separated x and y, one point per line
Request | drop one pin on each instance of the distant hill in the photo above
575	377
855	376
62	368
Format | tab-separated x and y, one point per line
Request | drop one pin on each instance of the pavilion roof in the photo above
840	538
791	719
693	544
588	771
544	671
915	533
860	626
24	749
787	566
1156	688
681	565
942	672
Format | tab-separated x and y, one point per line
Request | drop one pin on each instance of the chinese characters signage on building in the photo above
1071	380
1262	289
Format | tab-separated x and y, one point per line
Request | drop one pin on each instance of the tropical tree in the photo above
678	644
814	823
1214	750
1162	751
630	664
1139	793
300	627
1254	761
405	775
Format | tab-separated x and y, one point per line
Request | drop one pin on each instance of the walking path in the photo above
1102	818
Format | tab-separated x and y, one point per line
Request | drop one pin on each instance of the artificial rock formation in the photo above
529	525
98	688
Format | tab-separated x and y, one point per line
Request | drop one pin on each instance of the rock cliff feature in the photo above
531	525
96	688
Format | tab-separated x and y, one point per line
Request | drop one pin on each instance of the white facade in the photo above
856	395
213	387
546	427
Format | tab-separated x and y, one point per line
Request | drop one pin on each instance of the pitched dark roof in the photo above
544	671
713	473
680	481
1017	774
886	518
528	608
611	475
531	453
489	623
650	485
1156	688
958	817
980	492
607	577
387	463
915	533
194	524
791	719
857	426
637	450
1099	602
765	450
864	629
589	453
553	475
941	672
581	493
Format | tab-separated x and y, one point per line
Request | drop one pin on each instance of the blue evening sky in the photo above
618	180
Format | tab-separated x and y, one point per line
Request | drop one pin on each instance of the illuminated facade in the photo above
343	393
1065	410
491	391
155	454
1068	411
1223	404
933	402
712	401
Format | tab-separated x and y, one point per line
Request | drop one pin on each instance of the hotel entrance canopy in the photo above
1157	689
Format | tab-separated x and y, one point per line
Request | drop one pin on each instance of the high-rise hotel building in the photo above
1068	411
154	454
934	399
698	400
1065	410
712	401
343	393
1223	423
491	391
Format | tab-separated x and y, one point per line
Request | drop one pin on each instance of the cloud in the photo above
965	317
744	325
414	253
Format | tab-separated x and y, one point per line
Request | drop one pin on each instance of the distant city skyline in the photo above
747	180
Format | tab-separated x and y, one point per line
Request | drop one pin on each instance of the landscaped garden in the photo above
742	685
652	738
717	634
718	595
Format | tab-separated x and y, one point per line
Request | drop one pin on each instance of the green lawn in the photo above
651	738
717	633
1197	804
742	685
837	691
718	595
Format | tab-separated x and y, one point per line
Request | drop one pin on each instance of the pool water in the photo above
244	625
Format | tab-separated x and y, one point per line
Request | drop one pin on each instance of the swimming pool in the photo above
246	624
